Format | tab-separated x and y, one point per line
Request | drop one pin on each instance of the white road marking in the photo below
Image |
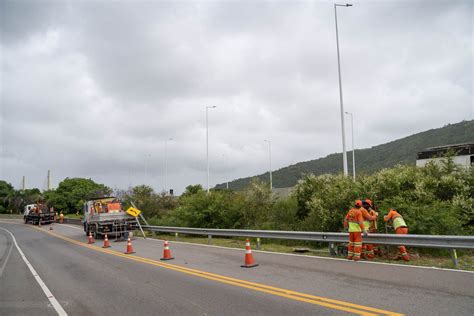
59	309
315	257
304	256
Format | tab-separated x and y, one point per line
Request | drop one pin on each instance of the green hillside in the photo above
370	159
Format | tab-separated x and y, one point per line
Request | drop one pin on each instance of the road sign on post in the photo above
133	211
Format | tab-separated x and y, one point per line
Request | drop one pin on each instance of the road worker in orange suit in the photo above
354	222
370	219
400	228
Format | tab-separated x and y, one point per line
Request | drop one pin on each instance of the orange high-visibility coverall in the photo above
373	229
354	222
368	249
400	228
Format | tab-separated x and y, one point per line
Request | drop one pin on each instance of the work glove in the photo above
365	233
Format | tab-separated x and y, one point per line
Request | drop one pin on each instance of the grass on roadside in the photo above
465	259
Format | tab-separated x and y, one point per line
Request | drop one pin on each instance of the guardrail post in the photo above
332	249
454	257
258	243
176	236
209	239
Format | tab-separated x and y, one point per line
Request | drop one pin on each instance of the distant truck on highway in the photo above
36	213
107	216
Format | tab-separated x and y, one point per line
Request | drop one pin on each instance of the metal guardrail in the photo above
425	241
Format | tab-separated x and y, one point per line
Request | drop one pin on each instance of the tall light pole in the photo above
344	153
270	161
207	142
166	163
353	152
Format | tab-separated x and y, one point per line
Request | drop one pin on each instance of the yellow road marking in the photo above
312	299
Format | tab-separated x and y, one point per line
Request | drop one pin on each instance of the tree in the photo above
6	193
72	193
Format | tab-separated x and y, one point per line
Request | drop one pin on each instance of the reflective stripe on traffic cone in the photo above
106	242
129	247
166	252
249	263
91	240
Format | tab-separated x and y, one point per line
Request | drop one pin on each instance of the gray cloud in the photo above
93	88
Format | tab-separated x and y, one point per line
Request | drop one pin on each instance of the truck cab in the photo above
38	213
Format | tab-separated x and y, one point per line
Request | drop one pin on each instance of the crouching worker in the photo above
400	228
354	223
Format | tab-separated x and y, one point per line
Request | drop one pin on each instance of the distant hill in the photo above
370	159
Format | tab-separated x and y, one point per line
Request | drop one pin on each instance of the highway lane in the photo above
79	270
90	282
20	294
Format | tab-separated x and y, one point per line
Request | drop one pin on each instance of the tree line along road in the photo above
207	280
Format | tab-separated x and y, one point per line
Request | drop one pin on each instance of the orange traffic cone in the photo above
91	240
249	263
106	242
166	252
129	247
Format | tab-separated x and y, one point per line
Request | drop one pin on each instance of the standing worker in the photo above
61	217
370	222
354	222
400	229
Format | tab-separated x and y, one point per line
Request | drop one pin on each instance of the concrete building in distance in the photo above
463	154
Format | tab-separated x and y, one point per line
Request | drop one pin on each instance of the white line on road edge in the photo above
59	309
316	257
304	256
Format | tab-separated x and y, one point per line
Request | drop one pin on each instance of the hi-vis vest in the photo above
399	222
354	226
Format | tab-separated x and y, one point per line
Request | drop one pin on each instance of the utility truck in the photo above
38	213
107	216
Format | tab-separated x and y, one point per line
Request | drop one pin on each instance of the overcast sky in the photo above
94	88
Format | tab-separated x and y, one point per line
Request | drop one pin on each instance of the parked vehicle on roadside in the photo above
107	216
38	213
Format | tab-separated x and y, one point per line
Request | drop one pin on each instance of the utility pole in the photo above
23	183
344	153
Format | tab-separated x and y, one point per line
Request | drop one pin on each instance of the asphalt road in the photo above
203	280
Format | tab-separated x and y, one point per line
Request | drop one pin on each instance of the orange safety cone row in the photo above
91	239
106	242
249	262
166	252
129	247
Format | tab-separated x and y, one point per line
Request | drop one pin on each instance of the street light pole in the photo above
344	153
353	152
270	160
166	164
207	142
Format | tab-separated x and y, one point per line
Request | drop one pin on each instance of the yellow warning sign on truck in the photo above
133	211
